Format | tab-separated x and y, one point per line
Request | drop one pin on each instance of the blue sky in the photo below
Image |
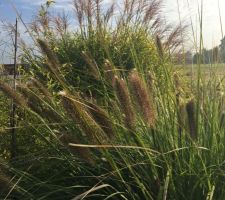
211	23
28	8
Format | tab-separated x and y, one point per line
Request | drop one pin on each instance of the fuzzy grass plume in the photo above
109	72
143	98
52	62
159	46
94	70
78	112
12	94
190	108
82	153
38	105
123	96
42	88
102	118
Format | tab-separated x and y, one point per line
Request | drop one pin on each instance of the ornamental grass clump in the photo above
136	148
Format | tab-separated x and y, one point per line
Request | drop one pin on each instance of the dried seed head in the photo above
176	80
5	183
123	96
82	153
78	112
12	94
150	80
92	64
181	115
52	59
42	89
190	108
159	46
102	118
222	121
35	103
52	62
109	72
143	98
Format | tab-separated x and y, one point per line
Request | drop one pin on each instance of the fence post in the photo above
13	113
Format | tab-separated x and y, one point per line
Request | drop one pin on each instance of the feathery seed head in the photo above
159	46
12	94
143	98
41	88
109	72
52	62
79	114
102	118
190	108
92	64
82	153
123	96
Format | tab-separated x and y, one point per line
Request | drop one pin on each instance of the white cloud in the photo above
211	22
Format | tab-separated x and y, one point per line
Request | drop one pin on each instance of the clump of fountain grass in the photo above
91	155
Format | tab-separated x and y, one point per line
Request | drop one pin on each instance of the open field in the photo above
205	68
207	71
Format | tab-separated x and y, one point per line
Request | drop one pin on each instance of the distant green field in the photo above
207	70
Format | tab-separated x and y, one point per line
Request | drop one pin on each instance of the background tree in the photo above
222	49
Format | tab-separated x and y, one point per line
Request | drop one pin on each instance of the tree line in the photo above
206	56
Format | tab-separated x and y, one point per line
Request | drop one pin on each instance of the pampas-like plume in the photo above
12	94
52	62
123	95
42	89
92	64
36	105
222	121
180	107
5	183
176	81
109	72
190	107
150	80
143	98
159	46
78	112
102	118
82	153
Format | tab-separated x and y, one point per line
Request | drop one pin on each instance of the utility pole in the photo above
13	114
